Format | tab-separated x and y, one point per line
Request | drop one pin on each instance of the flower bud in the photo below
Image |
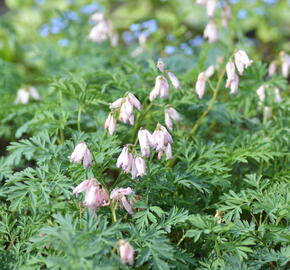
126	253
272	68
141	166
210	32
209	71
110	124
173	79
200	85
82	154
160	65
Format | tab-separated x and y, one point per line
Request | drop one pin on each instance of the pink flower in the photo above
126	112
171	115
82	154
272	68
285	59
200	85
209	71
146	140
261	93
110	124
116	104
119	195
126	253
24	94
94	195
210	7
161	88
210	32
83	186
134	101
125	160
101	31
160	65
231	70
173	79
140	166
163	139
242	61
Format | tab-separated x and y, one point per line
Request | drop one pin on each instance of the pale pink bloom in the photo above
140	166
210	7
110	124
277	95
234	85
126	253
200	85
83	186
126	112
173	79
146	140
134	101
96	17
160	65
210	32
209	71
34	93
119	195
162	137
125	160
285	59
261	93
101	31
22	96
161	88
171	114
116	104
168	152
231	71
82	154
134	171
272	68
242	61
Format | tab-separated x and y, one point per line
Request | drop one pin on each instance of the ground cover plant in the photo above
144	134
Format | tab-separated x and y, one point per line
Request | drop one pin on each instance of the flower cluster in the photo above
242	61
103	30
24	94
284	62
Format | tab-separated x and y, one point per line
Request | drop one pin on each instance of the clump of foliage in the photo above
222	200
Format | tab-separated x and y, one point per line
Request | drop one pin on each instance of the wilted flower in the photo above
125	160
242	61
110	124
173	79
161	88
210	32
171	115
119	194
126	253
272	68
160	65
82	154
146	140
210	7
200	84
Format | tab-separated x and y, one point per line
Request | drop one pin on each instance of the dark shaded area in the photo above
3	7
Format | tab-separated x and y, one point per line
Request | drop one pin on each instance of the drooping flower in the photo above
231	71
110	124
242	61
24	94
117	103
134	101
160	65
94	195
210	32
272	68
210	7
125	160
209	71
146	140
140	166
200	85
261	93
285	60
173	79
234	85
161	88
82	154
97	17
277	95
162	138
171	115
101	31
126	253
119	194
